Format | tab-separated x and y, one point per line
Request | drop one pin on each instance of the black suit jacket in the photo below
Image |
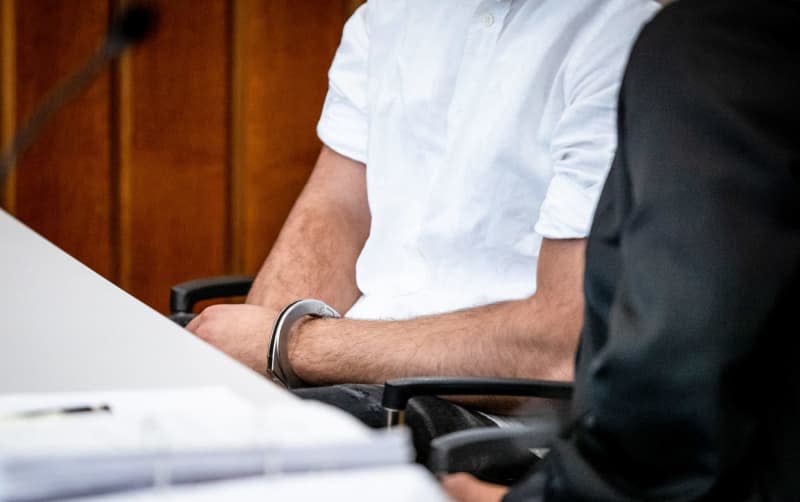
688	375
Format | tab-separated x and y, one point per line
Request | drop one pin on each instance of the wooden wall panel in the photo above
185	158
63	182
285	48
173	158
8	79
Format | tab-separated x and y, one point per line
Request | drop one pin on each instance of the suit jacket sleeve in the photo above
692	267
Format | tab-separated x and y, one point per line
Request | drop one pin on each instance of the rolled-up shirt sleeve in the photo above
344	121
584	140
686	387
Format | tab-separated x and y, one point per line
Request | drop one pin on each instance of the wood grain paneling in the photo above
183	160
7	92
174	122
286	48
62	182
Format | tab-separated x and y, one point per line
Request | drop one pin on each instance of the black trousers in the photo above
428	417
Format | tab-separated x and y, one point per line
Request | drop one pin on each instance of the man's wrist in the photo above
304	328
279	366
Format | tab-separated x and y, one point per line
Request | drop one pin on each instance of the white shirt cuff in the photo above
567	210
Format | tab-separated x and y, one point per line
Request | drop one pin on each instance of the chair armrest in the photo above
185	295
396	393
503	455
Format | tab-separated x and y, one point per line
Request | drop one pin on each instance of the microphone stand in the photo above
131	26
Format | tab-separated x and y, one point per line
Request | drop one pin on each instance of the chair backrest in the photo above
185	295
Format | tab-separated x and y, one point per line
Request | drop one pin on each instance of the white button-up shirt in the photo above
485	126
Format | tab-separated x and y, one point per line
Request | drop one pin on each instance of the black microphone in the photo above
132	25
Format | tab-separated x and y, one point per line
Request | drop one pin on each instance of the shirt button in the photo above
488	19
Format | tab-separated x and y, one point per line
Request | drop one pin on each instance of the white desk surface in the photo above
65	328
403	483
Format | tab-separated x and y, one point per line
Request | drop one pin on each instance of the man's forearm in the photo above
511	339
316	252
533	338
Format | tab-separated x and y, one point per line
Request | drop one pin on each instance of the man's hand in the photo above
313	257
241	331
465	488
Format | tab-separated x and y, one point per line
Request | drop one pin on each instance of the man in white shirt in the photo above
465	146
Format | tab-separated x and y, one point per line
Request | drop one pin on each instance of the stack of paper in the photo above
79	444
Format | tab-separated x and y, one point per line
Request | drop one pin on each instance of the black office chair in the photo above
500	455
184	296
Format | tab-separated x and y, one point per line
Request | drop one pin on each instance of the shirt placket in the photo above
479	48
482	36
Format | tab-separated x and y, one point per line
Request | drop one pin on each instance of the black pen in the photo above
67	410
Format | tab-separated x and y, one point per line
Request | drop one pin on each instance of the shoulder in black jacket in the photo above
688	377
